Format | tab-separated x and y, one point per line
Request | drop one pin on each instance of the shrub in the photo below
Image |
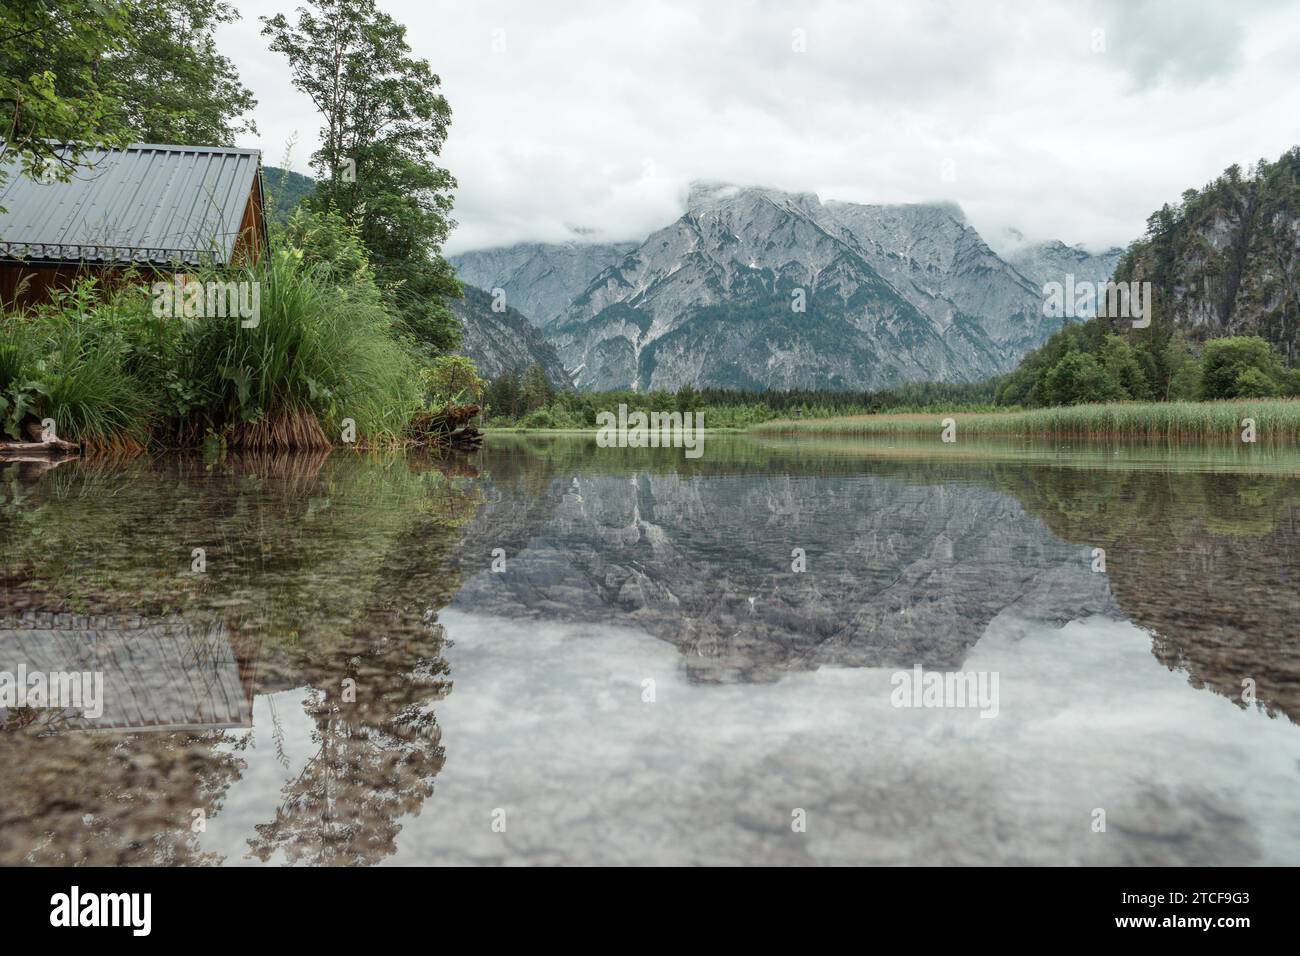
1079	378
452	378
540	418
1227	361
1252	383
70	361
319	354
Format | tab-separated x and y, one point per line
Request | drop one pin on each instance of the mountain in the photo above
285	190
1045	262
889	293
1226	260
505	341
892	294
540	279
942	266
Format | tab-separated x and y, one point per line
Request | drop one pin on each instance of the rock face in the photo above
539	279
1052	261
1226	260
942	266
501	342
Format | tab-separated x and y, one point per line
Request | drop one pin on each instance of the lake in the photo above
550	652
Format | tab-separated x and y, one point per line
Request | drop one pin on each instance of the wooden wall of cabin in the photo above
23	285
252	227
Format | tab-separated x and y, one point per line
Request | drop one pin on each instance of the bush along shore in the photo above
299	355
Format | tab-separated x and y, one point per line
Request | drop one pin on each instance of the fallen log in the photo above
46	449
465	439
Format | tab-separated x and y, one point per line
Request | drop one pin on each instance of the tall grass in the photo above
1276	420
69	363
113	375
318	355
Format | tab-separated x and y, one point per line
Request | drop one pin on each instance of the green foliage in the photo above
52	91
110	371
537	390
385	122
510	401
76	74
1079	378
454	379
331	243
1085	363
540	418
319	348
175	84
1241	366
1127	366
352	292
1253	383
71	362
1277	422
1245	278
85	385
1182	369
286	191
20	392
1026	385
1227	252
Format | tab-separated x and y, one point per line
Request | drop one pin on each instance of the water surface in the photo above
551	652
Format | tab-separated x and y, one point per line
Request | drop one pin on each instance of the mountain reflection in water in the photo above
350	681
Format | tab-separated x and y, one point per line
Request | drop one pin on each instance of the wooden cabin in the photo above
146	209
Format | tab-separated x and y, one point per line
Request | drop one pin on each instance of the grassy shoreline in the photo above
1276	420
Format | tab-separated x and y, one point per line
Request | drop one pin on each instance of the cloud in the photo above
591	119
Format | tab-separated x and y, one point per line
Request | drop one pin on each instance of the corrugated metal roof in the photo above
161	675
148	203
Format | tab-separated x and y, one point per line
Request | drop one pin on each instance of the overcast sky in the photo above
574	116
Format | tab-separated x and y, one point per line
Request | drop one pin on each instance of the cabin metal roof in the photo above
147	204
162	675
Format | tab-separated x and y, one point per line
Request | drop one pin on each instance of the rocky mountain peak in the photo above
707	197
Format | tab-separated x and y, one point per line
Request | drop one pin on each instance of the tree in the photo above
385	122
1182	370
503	396
1079	378
328	240
52	92
175	85
1121	361
688	399
1253	383
76	75
453	378
538	392
1227	362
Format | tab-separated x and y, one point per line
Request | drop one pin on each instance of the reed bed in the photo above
1275	421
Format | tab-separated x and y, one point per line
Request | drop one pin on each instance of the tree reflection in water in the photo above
318	570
